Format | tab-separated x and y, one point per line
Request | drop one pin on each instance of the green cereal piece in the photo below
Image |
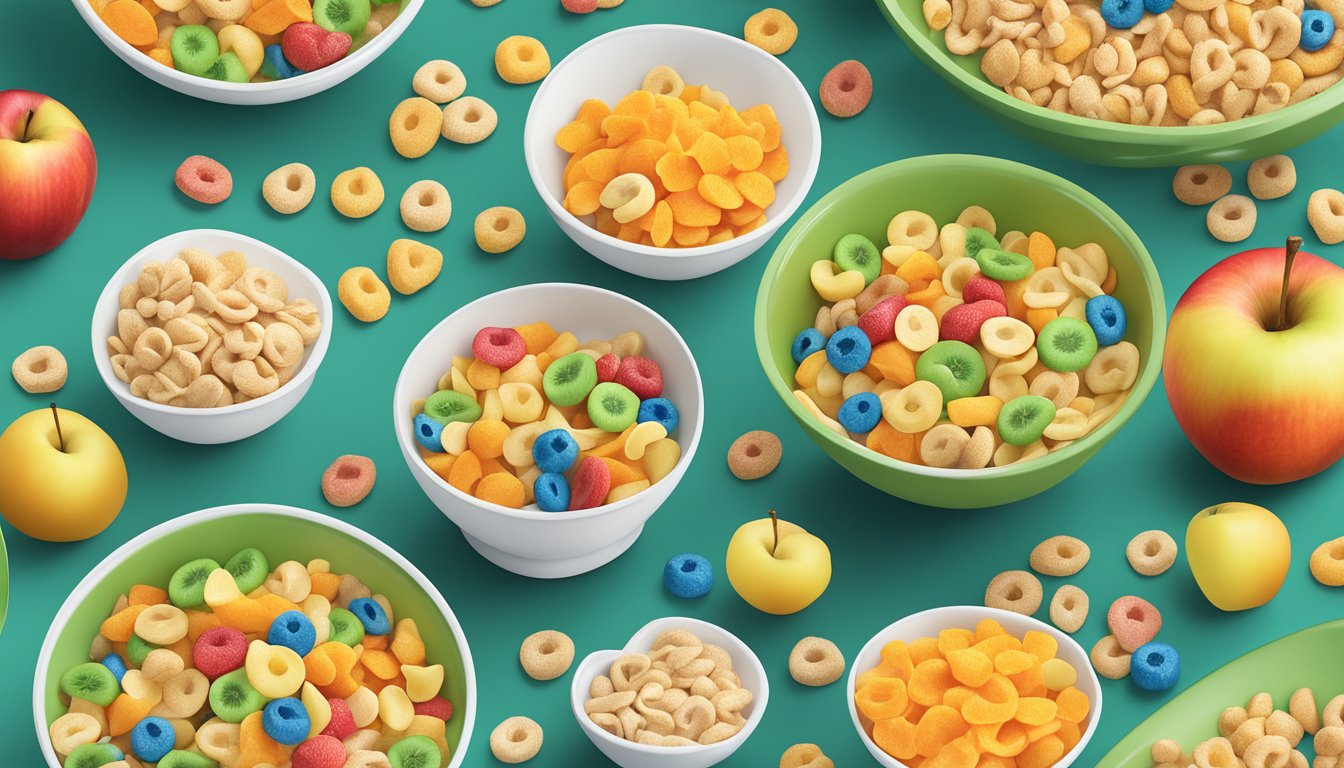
93	755
858	254
181	758
955	367
1023	420
249	569
1004	265
448	405
194	48
93	682
612	407
568	380
227	68
1066	344
348	16
137	648
345	627
977	239
186	589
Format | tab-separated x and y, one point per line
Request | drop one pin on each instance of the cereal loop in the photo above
348	480
546	655
1327	563
520	60
1273	177
1016	591
412	265
367	298
629	196
846	89
805	756
816	661
1109	659
771	30
1325	213
426	206
1151	553
516	740
754	455
499	229
40	370
204	180
913	409
356	193
439	81
1068	608
469	120
1232	218
1060	556
289	188
414	126
663	80
1201	184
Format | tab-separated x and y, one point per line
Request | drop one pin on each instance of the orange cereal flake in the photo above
130	21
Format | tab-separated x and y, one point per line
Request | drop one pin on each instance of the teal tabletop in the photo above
891	558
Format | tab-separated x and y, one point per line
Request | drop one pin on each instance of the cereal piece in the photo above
1060	556
360	290
1016	591
847	89
771	30
754	455
289	188
439	81
520	60
1201	184
426	206
414	126
1302	706
469	120
40	370
204	180
1133	621
546	655
356	193
348	480
1325	213
628	196
1232	218
816	661
1156	667
664	80
1272	177
805	756
516	740
1109	659
1151	553
412	265
499	229
1327	563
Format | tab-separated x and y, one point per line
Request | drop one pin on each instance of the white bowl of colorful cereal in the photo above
592	409
663	101
210	336
974	681
338	646
248	51
684	726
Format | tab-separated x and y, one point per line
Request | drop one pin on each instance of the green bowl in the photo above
282	533
1020	197
1101	141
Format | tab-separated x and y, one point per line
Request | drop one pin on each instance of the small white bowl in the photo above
208	426
612	65
273	92
629	754
550	545
929	623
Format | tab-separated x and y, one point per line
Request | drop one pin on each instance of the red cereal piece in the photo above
319	752
982	289
879	322
204	180
219	651
309	47
500	347
591	484
437	707
579	6
641	376
1134	621
607	365
962	322
348	480
342	722
846	89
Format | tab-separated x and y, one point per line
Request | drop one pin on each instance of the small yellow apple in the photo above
778	567
1239	554
65	479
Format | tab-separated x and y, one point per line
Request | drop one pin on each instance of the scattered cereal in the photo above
805	756
1325	213
1068	608
426	206
40	370
771	30
289	188
1109	659
520	60
1273	177
754	455
412	265
1201	184
414	126
816	661
1232	218
1151	553
1327	563
439	81
546	655
1155	667
348	480
847	89
1133	621
204	180
1016	591
688	576
469	120
367	298
579	6
499	229
1060	556
356	193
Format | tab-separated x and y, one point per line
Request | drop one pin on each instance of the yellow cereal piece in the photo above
691	210
775	164
771	30
363	294
970	667
412	265
974	411
356	193
520	60
678	172
414	126
501	488
663	223
711	153
719	192
623	129
582	198
756	187
577	135
424	683
499	229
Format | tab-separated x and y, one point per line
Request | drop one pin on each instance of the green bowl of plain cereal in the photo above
1020	198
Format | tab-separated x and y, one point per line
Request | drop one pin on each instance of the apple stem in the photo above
55	415
27	121
1289	254
774	521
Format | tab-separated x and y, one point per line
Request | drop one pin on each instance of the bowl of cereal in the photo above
1144	110
716	714
549	422
1054	687
1041	343
248	51
156	637
210	336
665	203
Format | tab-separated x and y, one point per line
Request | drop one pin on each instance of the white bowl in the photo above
273	92
612	65
628	754
929	623
532	543
208	426
345	541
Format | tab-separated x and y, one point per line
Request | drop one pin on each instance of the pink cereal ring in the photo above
607	366
348	480
641	376
579	6
847	89
500	347
591	484
204	180
1134	621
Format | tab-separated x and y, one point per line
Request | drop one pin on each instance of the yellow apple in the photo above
65	478
1239	554
778	567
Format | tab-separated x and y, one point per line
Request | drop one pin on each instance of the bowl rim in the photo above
173	525
113	288
578	692
1060	636
1149	370
361	58
409	446
712	37
942	62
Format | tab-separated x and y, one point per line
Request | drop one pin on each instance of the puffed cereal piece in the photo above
469	120
1325	213
1327	563
805	756
72	730
289	188
412	265
499	229
847	89
663	80
1201	184
1060	556
1302	706
439	81
755	455
414	126
816	661
40	370
1166	751
1068	608
520	59
771	30
1151	553
1016	591
1232	218
516	740
356	193
1109	659
426	206
546	655
1272	177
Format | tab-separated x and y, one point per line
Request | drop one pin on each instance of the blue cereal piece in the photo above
860	413
551	491
1156	667
286	721
1106	315
429	433
1318	27
371	615
807	342
848	349
276	66
688	576
1122	14
661	410
151	739
115	663
1158	6
555	451
293	630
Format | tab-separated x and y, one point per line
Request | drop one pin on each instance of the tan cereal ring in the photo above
1151	553
805	755
943	445
937	14
883	287
1327	563
1007	453
255	378
161	624
223	10
816	661
754	455
1201	184
1281	723
469	120
499	229
288	189
978	451
282	346
1231	719
1325	213
363	294
426	206
546	655
913	409
246	340
913	228
263	288
303	315
356	193
1006	337
916	328
1058	388
1232	218
1266	751
628	196
1113	369
956	274
1216	752
1329	741
40	370
412	265
414	126
1302	706
1016	591
976	216
1068	608
1060	556
72	730
663	80
1110	660
520	60
439	81
771	30
516	740
152	349
1167	751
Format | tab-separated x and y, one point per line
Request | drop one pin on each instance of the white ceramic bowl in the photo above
612	65
629	754
529	542
929	623
302	535
272	92
208	426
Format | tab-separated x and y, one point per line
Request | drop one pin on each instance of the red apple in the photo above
1254	364
47	172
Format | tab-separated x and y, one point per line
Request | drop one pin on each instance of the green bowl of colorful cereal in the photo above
248	51
1010	325
254	635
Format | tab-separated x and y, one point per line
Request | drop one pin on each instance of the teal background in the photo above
891	558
